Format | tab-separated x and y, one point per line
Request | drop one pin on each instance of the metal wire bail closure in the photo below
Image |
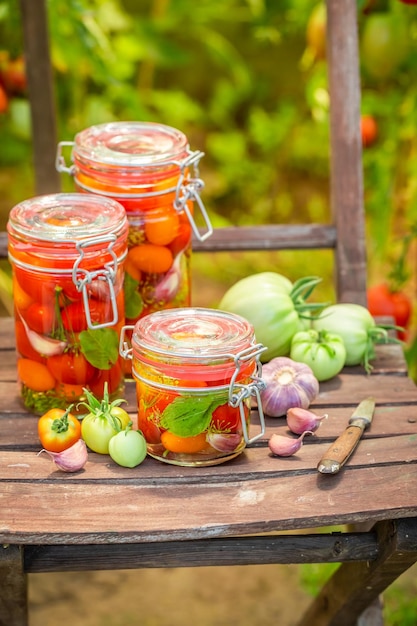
60	163
81	278
125	348
238	393
191	191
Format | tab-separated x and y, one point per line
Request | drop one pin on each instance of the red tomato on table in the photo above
396	304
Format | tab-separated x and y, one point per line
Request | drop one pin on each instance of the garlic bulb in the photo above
286	446
300	420
72	459
289	384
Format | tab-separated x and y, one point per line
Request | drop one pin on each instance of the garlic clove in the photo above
281	445
224	442
43	345
168	287
299	420
72	459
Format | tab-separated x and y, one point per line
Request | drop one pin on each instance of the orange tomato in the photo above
162	225
133	271
58	430
182	240
113	377
71	368
183	445
151	258
71	393
35	375
21	299
40	318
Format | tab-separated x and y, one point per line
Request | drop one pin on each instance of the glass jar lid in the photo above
66	217
191	334
130	144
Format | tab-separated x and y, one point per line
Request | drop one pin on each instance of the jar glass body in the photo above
195	371
67	253
147	168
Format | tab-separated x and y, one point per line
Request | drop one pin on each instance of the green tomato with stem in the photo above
128	448
104	419
323	352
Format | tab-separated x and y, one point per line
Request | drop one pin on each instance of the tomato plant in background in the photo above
389	297
384	301
4	100
369	130
316	31
384	43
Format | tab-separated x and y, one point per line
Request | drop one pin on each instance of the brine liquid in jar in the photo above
67	253
196	370
150	169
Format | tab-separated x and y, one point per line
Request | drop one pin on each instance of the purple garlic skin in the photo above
289	384
280	445
224	442
72	459
299	420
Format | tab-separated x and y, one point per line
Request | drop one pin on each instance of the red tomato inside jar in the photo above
150	169
196	370
67	253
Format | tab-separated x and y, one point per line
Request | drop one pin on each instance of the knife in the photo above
345	444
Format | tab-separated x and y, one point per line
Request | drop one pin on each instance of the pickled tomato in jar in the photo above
67	253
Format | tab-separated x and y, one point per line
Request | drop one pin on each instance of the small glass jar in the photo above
147	168
67	253
195	371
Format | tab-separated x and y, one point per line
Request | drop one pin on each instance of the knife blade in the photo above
340	451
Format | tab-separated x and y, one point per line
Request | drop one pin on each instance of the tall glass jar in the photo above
67	253
195	371
147	168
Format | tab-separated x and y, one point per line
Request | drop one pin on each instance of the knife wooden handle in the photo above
340	450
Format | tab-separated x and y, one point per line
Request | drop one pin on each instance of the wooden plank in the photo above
3	245
346	178
269	237
309	548
134	511
388	420
355	585
255	463
41	94
13	596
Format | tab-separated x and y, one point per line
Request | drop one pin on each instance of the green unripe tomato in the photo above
128	448
323	352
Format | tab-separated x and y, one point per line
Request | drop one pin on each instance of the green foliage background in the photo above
237	77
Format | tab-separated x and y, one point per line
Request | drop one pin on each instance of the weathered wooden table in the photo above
157	515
